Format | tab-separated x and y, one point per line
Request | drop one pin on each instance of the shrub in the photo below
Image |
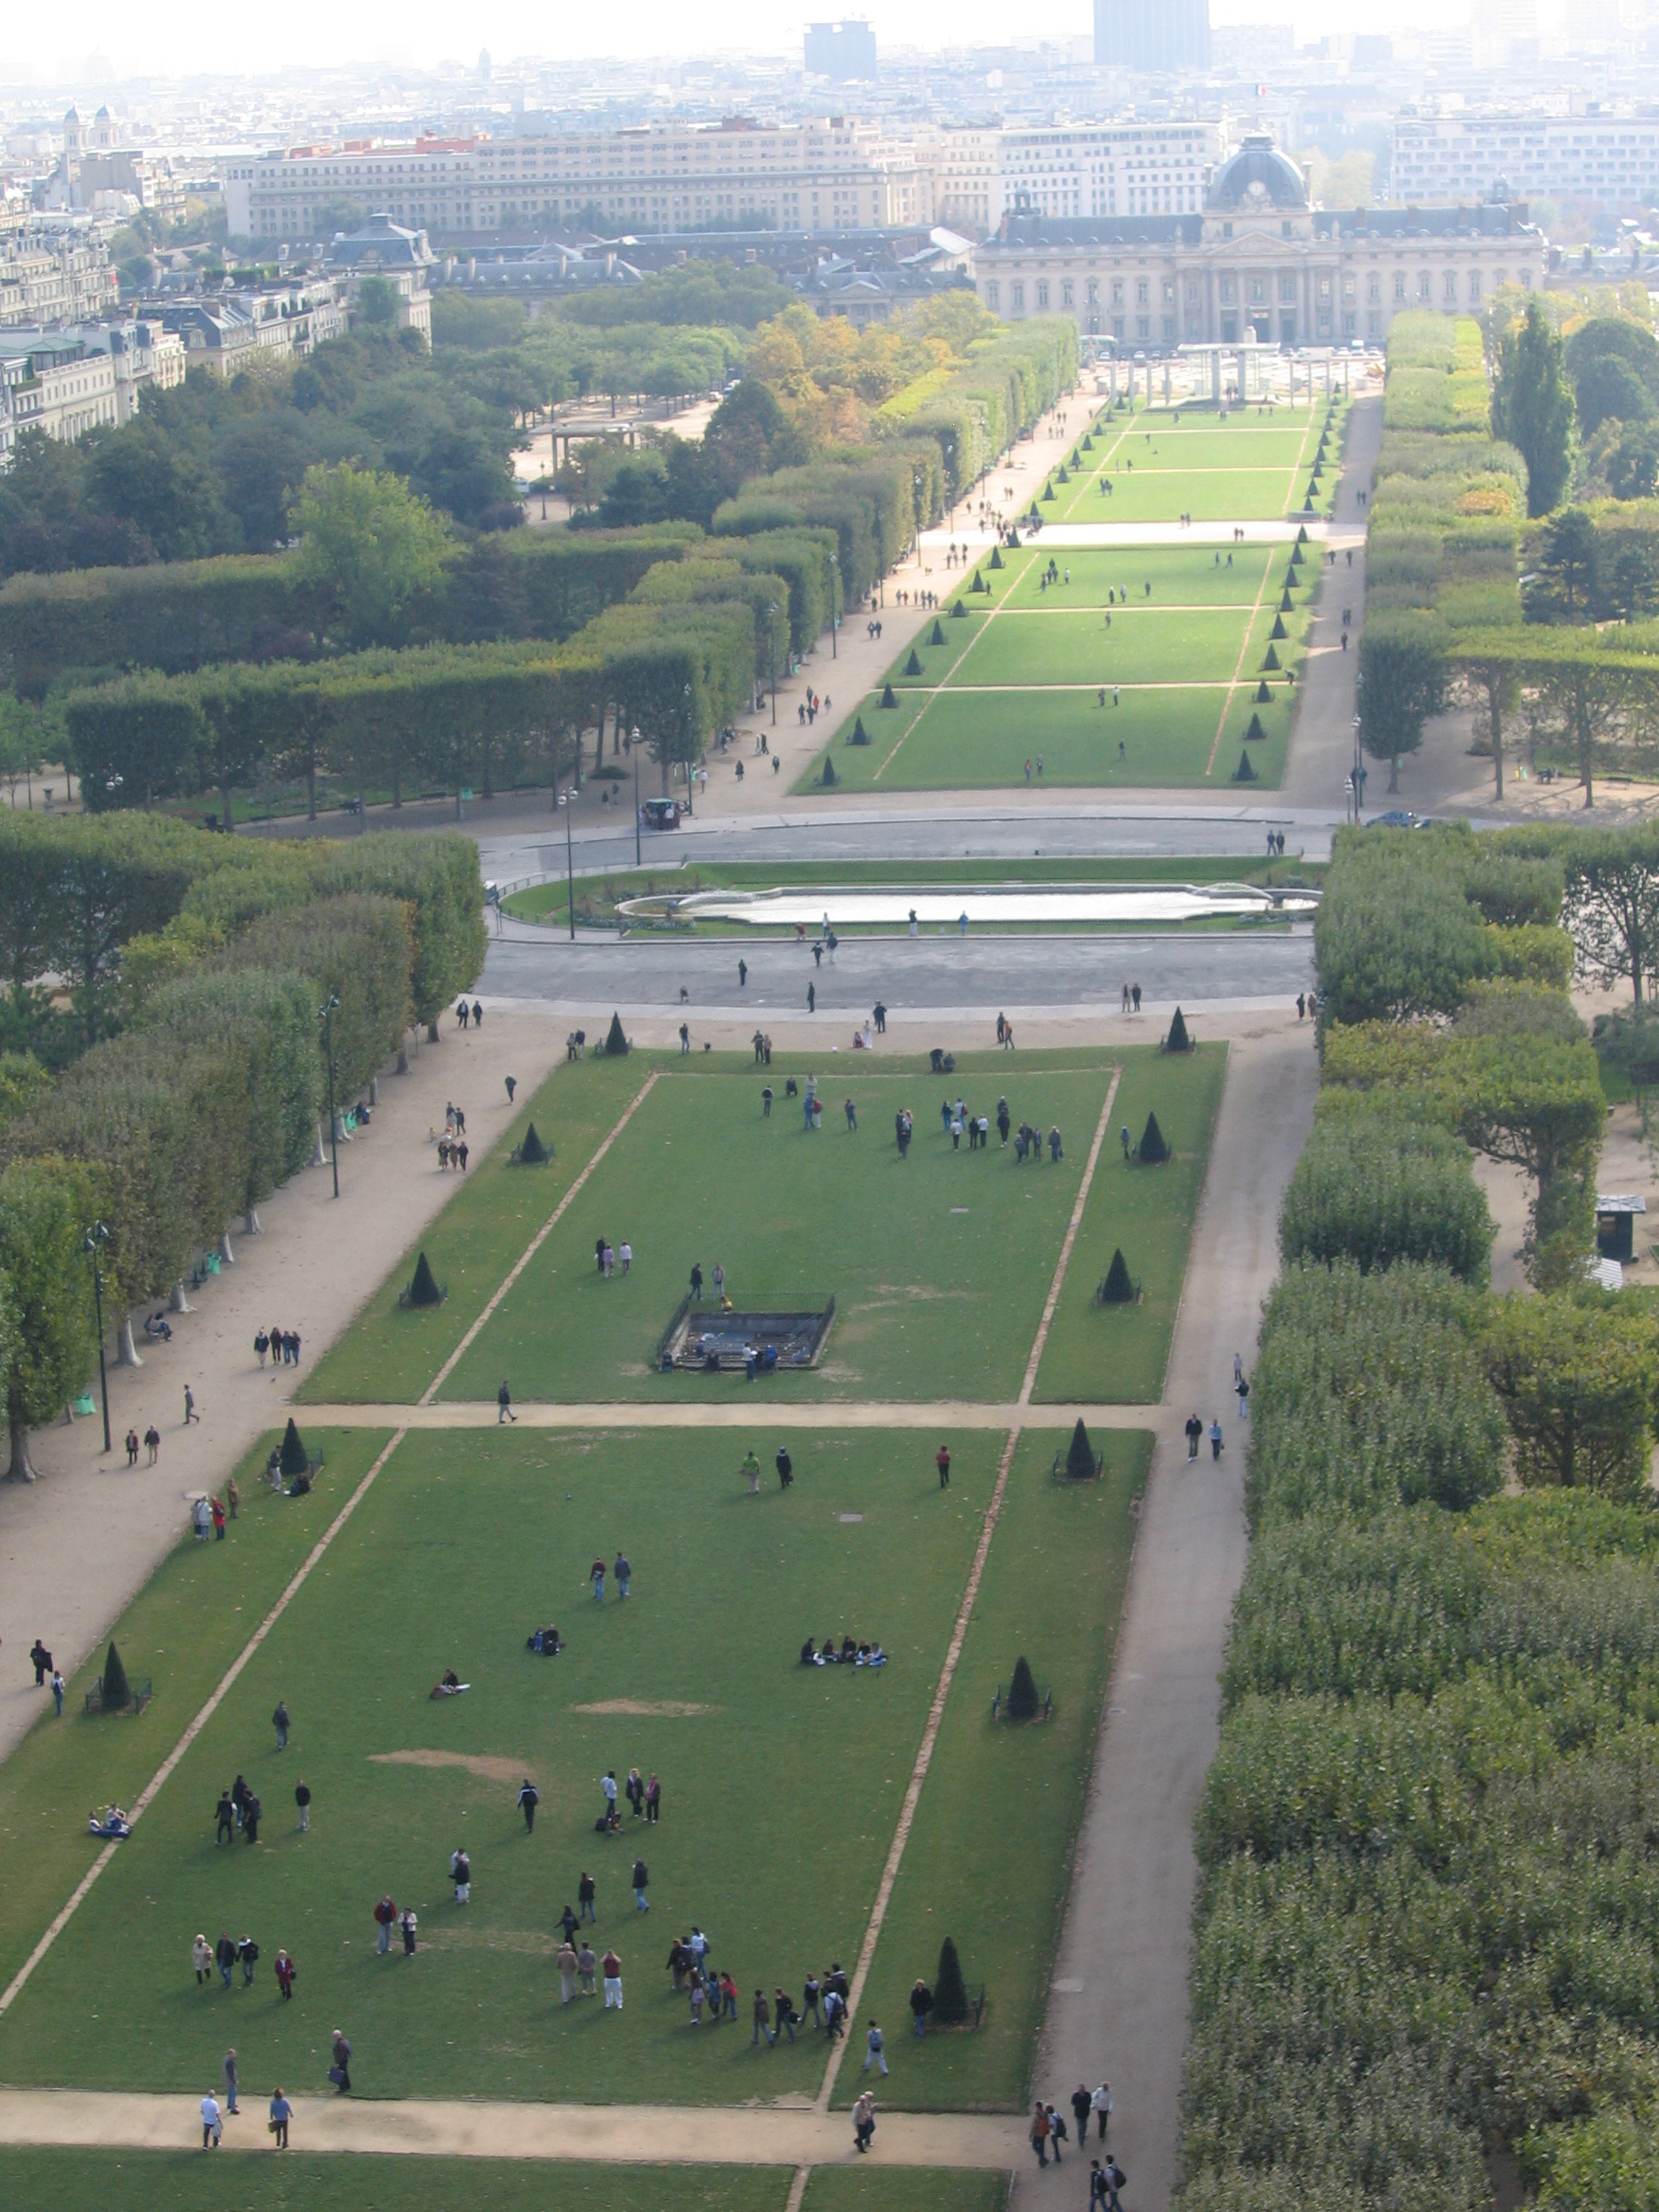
1255	728
1177	1040
1270	659
1579	1381
950	1991
936	635
1117	1289
1375	1187
117	1690
828	776
957	610
995	561
1286	605
532	1153
424	1291
859	735
1244	773
615	1041
1080	1462
888	696
1278	629
1151	1149
1264	692
1023	1701
913	666
296	1459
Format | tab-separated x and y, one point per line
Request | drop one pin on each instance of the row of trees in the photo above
1424	1935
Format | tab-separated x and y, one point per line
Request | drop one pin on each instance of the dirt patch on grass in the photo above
487	1769
671	1709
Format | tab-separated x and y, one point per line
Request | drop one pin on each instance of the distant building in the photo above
981	173
383	248
1152	37
1611	160
52	273
845	51
58	386
1258	258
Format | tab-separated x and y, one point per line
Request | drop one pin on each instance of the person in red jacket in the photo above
386	1919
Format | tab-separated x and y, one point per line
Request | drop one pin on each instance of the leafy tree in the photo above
151	481
368	543
46	1207
1629	1040
1613	905
1615	366
1401	682
1377	1187
1567	559
377	302
1633	466
1579	1382
1532	407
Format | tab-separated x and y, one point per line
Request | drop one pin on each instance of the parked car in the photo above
663	813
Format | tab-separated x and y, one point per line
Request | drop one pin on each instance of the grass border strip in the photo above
227	1681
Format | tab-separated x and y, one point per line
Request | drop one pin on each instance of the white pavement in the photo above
1117	2007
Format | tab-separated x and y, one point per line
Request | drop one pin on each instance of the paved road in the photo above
1022	976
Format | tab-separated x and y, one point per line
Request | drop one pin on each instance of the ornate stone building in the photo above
1261	258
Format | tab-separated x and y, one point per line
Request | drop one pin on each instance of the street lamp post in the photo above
566	799
634	748
96	1236
834	602
772	653
325	1016
685	740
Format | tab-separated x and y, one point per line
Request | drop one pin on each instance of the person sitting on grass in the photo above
809	1657
451	1686
547	1641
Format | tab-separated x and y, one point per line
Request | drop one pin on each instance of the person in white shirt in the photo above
212	2127
1101	2104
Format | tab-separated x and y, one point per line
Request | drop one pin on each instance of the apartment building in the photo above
142	356
51	274
1612	160
827	173
59	385
980	174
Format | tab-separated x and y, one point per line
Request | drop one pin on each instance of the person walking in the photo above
641	1878
407	1926
529	1798
874	2054
596	1576
809	2001
232	2082
1057	2131
811	998
587	1966
504	1406
281	2113
132	1441
921	2003
762	2021
863	2120
340	2072
385	1915
1080	2110
942	1462
1195	1435
611	1967
279	1721
1100	2103
585	1895
653	1800
511	1085
152	1444
785	1467
211	2127
567	1964
1241	1392
609	1786
201	1957
251	1810
248	1951
302	1799
1039	2133
750	1470
224	1957
191	1413
742	973
285	1974
57	1692
621	1569
461	1873
1215	1440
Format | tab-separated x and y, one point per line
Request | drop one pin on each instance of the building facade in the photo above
842	52
58	386
53	274
1612	160
982	172
1259	257
1152	37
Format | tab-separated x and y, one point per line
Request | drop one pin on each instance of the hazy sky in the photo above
188	34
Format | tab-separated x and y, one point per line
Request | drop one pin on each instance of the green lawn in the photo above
185	2181
989	1859
873	2188
1162	463
183	1630
1117	1354
464	1543
391	1353
1091	679
939	1263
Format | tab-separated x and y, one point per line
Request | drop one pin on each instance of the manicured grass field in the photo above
1117	1354
781	1784
989	1861
871	2188
1107	681
185	2181
1162	463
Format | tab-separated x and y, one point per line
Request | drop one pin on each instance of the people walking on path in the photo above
281	2113
863	2120
1100	2103
529	1798
340	2072
212	2128
57	1692
232	2082
1038	2133
191	1413
504	1406
1215	1440
1195	1435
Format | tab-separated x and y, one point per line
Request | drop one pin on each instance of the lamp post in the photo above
1358	769
634	748
772	653
96	1236
325	1016
685	740
566	799
834	602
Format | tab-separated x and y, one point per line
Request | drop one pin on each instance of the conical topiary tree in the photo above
1013	547
532	1153
1270	659
1117	1289
888	696
1287	604
957	611
913	666
1064	475
424	1291
860	736
1049	495
1302	534
949	1990
1177	1040
1244	773
829	775
1255	728
995	561
1278	629
117	1690
979	583
1264	692
1080	1453
1295	556
294	1460
1023	1700
1153	1150
937	637
615	1041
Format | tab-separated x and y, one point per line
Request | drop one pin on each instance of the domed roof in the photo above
1258	176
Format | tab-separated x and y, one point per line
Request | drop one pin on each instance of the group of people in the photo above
1048	2131
810	707
283	1345
469	1017
849	1653
608	1256
238	1808
152	1445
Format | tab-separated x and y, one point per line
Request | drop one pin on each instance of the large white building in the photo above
1258	258
827	173
53	274
1612	160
